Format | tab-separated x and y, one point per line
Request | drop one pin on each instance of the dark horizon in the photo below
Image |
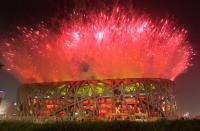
185	13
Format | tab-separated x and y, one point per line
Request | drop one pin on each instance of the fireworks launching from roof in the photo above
98	46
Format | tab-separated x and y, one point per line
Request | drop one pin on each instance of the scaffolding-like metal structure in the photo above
98	99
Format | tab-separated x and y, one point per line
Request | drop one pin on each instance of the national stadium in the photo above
110	99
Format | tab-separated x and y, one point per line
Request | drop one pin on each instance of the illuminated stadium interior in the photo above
114	99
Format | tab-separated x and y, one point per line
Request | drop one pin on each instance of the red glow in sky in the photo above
98	46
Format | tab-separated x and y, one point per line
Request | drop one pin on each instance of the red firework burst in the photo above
99	46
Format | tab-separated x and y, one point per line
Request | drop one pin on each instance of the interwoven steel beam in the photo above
98	99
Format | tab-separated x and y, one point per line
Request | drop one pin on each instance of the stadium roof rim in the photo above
100	80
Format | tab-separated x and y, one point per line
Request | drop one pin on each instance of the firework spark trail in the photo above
99	46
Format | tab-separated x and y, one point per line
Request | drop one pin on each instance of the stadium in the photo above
111	99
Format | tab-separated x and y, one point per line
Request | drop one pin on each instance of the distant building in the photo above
2	94
2	107
1	65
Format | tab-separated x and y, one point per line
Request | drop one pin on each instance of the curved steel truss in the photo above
98	99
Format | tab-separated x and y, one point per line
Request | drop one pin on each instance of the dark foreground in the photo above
186	125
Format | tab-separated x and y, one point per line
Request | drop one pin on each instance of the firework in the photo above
98	46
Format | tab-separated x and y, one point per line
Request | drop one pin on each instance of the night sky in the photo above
185	13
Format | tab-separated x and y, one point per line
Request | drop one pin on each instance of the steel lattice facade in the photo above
98	99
